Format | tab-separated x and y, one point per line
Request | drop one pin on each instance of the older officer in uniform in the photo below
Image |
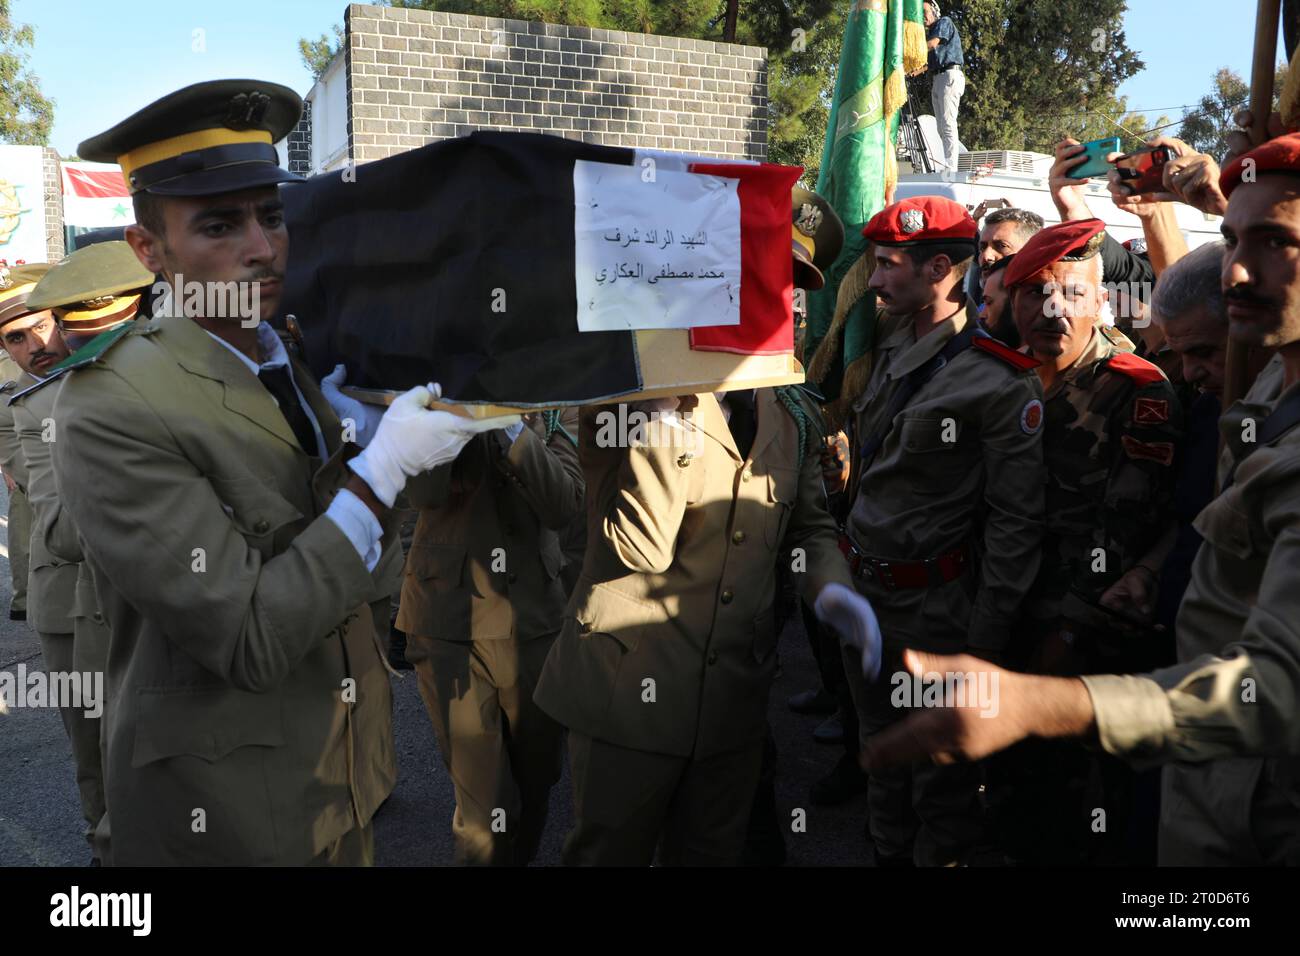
663	666
481	605
1224	720
1113	424
946	525
241	568
90	292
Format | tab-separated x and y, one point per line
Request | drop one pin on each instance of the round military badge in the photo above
911	220
1031	417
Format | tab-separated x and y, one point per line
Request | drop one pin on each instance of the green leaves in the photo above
26	114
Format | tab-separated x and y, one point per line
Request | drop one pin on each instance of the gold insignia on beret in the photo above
1089	249
810	219
246	110
5	281
912	220
97	303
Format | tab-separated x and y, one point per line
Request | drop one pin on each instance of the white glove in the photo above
513	432
852	617
365	418
412	439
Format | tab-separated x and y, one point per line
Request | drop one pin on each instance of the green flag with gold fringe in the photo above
883	41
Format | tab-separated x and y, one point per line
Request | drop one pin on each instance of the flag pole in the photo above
1267	18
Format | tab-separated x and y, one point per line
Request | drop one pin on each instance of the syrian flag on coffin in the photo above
512	268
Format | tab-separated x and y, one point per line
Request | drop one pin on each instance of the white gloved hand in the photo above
412	439
513	432
852	617
365	418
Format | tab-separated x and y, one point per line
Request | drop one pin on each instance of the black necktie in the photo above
742	421
280	385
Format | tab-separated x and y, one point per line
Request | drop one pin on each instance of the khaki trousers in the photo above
922	812
502	751
20	534
354	848
63	654
628	802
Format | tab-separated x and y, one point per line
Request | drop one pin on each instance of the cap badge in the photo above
810	219
912	220
5	281
246	110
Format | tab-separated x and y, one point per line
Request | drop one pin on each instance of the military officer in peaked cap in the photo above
947	516
35	336
239	553
89	292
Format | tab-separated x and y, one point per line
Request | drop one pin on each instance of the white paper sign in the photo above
663	254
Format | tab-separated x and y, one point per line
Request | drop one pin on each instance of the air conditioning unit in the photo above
1005	160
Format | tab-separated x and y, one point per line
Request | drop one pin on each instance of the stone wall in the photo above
416	76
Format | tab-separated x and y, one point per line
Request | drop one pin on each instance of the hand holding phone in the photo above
1094	163
1142	171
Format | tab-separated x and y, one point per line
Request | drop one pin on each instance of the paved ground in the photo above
40	820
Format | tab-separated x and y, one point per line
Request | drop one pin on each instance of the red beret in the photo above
1276	155
1076	239
921	219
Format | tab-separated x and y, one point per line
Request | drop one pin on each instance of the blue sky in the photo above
100	60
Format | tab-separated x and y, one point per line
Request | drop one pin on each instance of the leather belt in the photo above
898	575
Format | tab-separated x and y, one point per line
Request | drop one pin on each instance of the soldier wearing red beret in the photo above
1224	720
947	519
1112	428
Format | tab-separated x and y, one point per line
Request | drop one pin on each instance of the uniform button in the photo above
738	537
684	461
727	595
262	526
713	657
97	618
746	475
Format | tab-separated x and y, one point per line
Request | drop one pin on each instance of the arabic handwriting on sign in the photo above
633	236
617	237
600	277
701	238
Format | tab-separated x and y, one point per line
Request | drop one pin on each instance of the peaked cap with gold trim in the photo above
94	288
16	287
209	138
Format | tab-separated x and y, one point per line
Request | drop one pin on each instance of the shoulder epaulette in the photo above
1116	338
1138	369
89	353
1017	360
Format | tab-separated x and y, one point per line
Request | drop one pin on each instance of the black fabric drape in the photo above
453	263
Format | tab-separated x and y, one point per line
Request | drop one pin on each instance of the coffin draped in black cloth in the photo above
395	273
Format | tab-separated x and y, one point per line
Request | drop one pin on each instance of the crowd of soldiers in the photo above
1014	481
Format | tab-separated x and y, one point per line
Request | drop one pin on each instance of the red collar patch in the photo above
1017	360
1138	369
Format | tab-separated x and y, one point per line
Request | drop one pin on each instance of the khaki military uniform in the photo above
57	591
249	710
1224	719
12	464
481	605
664	663
957	484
